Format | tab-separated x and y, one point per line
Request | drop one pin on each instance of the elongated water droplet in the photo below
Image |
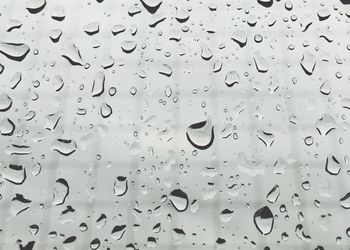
35	6
308	63
14	51
264	220
232	78
118	232
64	147
120	186
273	195
7	127
345	201
60	192
5	102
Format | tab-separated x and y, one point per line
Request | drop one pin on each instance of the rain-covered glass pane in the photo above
161	124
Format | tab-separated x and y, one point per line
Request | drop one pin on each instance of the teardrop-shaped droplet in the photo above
106	110
206	53
273	195
95	244
264	220
34	229
118	232
179	200
217	66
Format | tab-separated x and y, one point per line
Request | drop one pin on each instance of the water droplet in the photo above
179	200
128	46
345	201
232	78
333	166
64	147
264	220
35	6
118	232
120	186
273	195
201	134
14	51
308	63
60	192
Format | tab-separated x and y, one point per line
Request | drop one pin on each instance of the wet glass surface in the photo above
153	124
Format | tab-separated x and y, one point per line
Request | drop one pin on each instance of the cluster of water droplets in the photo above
174	124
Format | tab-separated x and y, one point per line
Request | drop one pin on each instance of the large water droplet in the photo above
273	195
72	54
240	37
128	46
65	147
106	110
345	201
201	134
333	166
179	200
325	124
264	220
16	174
232	78
151	5
35	6
7	127
118	232
5	102
120	186
308	63
60	192
14	51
